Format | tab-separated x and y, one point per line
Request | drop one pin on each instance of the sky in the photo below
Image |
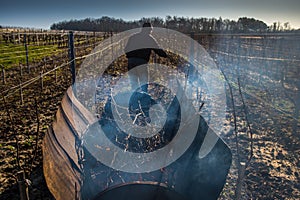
41	14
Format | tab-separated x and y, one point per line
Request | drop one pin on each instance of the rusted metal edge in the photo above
61	166
60	171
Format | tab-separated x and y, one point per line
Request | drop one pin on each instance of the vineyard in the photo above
263	105
35	75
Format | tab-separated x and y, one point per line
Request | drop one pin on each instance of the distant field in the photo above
40	44
11	54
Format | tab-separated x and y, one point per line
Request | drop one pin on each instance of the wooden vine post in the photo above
72	55
42	81
240	180
3	75
23	187
21	93
26	52
21	70
55	73
72	59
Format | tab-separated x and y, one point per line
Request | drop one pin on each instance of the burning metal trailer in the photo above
73	171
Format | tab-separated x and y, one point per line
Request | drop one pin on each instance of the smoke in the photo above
172	127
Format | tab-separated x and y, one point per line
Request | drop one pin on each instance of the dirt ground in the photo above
273	173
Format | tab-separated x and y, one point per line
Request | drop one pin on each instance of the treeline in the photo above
182	24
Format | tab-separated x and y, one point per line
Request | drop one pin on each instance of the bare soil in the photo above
273	173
